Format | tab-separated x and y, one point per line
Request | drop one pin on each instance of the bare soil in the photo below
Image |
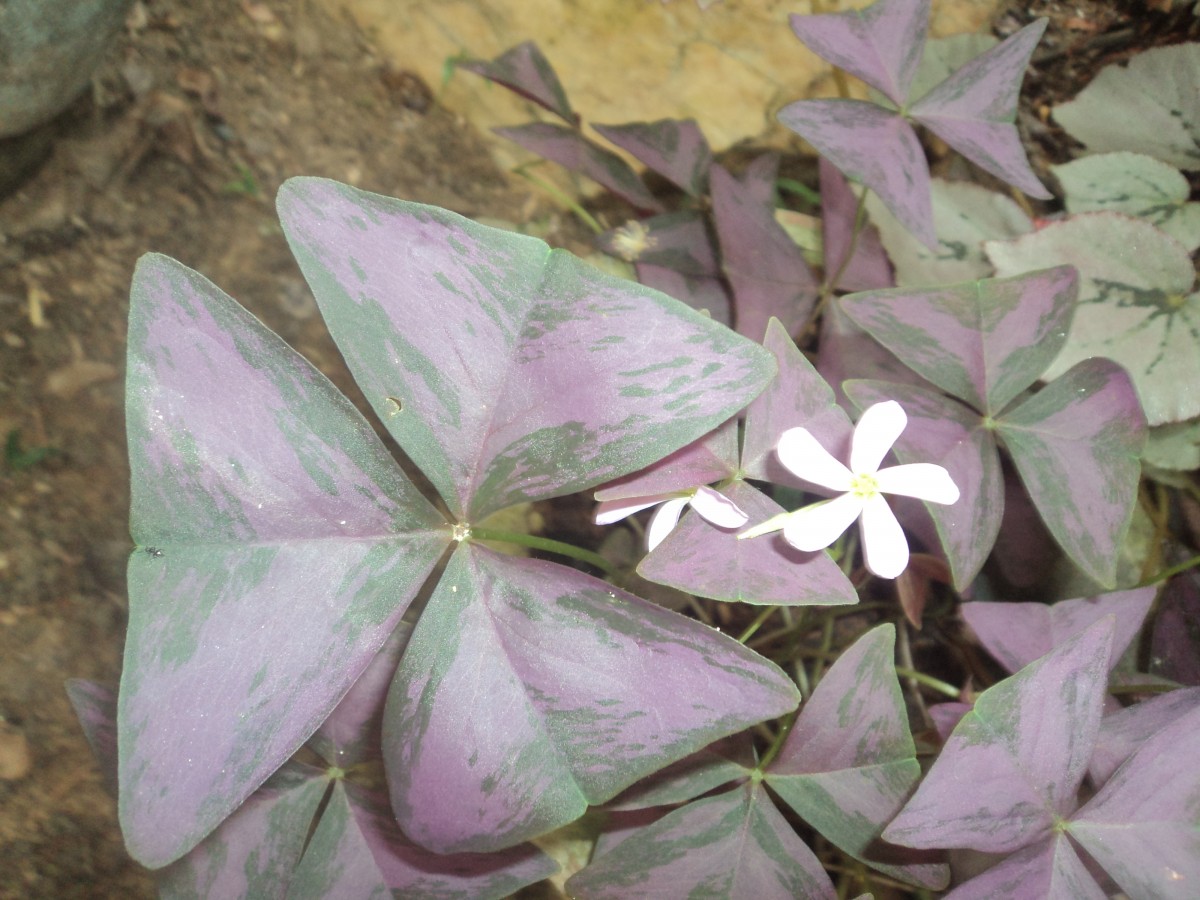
202	109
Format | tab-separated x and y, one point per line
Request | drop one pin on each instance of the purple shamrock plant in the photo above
335	686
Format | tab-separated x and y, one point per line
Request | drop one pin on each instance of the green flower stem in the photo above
757	623
930	682
561	197
785	728
1169	573
540	543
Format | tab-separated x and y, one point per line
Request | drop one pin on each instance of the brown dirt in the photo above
202	110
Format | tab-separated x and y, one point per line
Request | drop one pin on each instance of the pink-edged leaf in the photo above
982	341
1077	445
868	269
849	763
573	151
515	372
530	690
255	851
678	241
1124	731
700	292
713	562
351	733
872	146
357	851
95	706
797	397
973	110
881	44
735	844
1142	826
1175	645
260	496
674	148
943	431
1023	750
1050	870
765	267
846	352
1018	633
711	458
524	70
723	761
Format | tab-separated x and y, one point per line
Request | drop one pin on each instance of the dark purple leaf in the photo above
573	151
1025	552
943	431
758	179
1023	751
260	497
846	352
254	852
1175	647
868	269
1018	633
712	458
1077	444
983	341
733	845
797	397
702	559
529	691
357	851
1124	731
1048	870
351	733
872	146
880	44
95	706
674	148
678	241
726	760
946	716
849	763
700	292
521	373
973	110
1141	826
764	266
524	70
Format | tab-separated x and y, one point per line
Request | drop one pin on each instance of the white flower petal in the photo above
663	520
715	507
925	481
816	527
885	548
609	511
874	435
806	458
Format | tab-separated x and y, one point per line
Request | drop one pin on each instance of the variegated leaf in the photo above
524	70
675	149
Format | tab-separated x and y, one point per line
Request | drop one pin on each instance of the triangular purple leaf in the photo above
1077	444
1018	633
733	845
573	151
524	70
702	559
726	760
1175	646
474	346
846	352
1124	731
530	690
849	763
95	706
881	44
1141	826
1023	750
674	148
260	496
765	267
711	458
868	269
700	292
872	146
983	341
973	110
1047	870
357	851
678	241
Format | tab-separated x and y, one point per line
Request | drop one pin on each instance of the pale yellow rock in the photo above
731	66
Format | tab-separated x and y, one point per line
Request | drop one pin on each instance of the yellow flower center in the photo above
864	486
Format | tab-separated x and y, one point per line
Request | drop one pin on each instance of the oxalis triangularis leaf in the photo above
279	543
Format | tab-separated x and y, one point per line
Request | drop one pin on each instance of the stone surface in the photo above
730	66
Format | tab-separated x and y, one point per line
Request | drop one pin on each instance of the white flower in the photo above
711	505
864	484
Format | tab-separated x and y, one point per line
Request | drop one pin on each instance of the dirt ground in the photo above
201	111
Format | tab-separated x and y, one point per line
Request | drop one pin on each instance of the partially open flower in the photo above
710	504
863	485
